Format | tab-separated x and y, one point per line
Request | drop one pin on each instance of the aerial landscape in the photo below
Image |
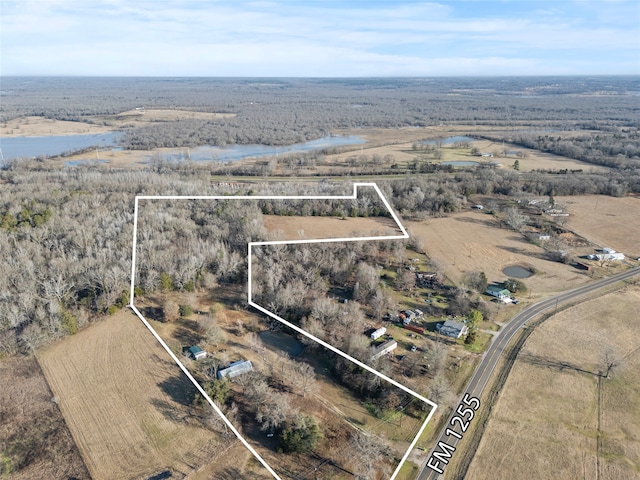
257	253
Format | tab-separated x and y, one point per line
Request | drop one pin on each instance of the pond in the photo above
16	147
207	153
448	140
460	163
516	271
282	342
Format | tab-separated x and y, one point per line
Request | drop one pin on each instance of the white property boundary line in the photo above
354	196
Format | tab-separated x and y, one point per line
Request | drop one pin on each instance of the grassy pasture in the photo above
606	221
473	241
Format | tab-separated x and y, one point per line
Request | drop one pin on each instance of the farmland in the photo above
474	241
294	228
606	221
126	403
551	415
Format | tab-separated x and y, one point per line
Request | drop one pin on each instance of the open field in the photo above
606	221
34	440
162	115
396	142
474	241
126	402
295	227
40	126
550	414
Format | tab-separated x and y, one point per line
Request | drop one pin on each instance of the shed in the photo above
453	329
235	369
378	333
196	352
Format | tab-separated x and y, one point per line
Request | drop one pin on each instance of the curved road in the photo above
490	358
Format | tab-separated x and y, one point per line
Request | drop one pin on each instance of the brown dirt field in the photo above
606	221
545	423
40	126
32	427
295	228
473	241
126	402
165	115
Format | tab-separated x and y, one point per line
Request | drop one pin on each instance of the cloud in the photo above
118	37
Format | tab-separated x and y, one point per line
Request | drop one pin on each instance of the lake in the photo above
16	147
232	153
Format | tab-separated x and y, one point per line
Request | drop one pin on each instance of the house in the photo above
235	369
606	256
378	333
196	352
418	313
452	329
384	348
410	314
497	291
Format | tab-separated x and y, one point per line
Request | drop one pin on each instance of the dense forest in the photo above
66	234
286	111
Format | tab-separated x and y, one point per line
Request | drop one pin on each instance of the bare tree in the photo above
304	378
440	391
170	311
369	451
610	361
515	219
435	356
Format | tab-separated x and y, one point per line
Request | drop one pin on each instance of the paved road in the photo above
490	358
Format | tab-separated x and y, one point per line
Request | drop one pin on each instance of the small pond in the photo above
280	341
516	271
460	163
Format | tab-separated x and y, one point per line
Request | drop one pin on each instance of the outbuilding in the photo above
235	369
378	333
197	353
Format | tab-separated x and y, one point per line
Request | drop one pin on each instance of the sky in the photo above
317	38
